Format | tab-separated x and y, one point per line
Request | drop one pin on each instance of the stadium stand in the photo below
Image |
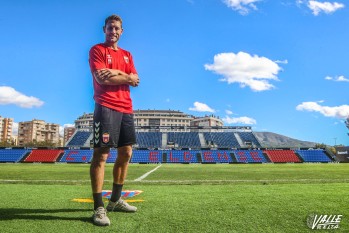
149	139
79	138
242	155
250	156
216	156
248	137
313	155
113	154
146	156
282	156
181	156
43	156
12	155
184	139
221	139
77	156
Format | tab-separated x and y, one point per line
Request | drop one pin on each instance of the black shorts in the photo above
112	128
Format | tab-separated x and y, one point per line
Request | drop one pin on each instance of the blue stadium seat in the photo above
146	156
222	139
249	137
181	156
149	139
250	156
184	139
12	155
313	155
216	156
77	156
112	156
79	138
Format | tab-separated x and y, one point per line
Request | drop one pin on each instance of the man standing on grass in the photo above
113	73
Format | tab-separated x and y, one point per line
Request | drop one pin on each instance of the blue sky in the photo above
278	66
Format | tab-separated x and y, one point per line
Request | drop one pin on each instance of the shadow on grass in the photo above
42	214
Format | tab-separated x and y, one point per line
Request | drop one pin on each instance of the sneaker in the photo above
100	217
121	206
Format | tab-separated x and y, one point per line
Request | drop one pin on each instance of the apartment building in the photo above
6	125
68	132
37	131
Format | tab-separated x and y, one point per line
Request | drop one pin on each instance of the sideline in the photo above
147	174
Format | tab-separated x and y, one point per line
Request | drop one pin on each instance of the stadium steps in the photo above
266	157
25	157
232	156
71	137
259	143
88	141
332	156
60	156
164	140
199	158
202	140
164	158
299	156
237	136
329	156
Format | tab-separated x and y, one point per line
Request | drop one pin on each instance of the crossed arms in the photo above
115	77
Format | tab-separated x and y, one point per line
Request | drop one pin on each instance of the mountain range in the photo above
269	139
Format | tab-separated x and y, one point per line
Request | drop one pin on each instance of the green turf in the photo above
255	173
192	204
59	173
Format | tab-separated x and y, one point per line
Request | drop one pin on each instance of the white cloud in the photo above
252	71
15	128
201	107
61	128
337	111
282	62
326	7
241	120
299	2
9	95
228	112
242	6
337	79
342	79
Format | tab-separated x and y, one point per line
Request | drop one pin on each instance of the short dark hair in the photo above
113	17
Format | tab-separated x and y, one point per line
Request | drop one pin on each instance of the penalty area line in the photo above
147	174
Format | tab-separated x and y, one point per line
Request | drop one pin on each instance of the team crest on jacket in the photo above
105	137
126	59
109	58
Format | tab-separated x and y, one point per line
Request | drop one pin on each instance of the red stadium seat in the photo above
282	156
44	156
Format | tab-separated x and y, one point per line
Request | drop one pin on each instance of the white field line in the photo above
247	181
31	181
147	174
140	179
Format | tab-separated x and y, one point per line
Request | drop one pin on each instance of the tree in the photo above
45	143
320	145
6	144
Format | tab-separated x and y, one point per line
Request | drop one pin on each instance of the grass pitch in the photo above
177	198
